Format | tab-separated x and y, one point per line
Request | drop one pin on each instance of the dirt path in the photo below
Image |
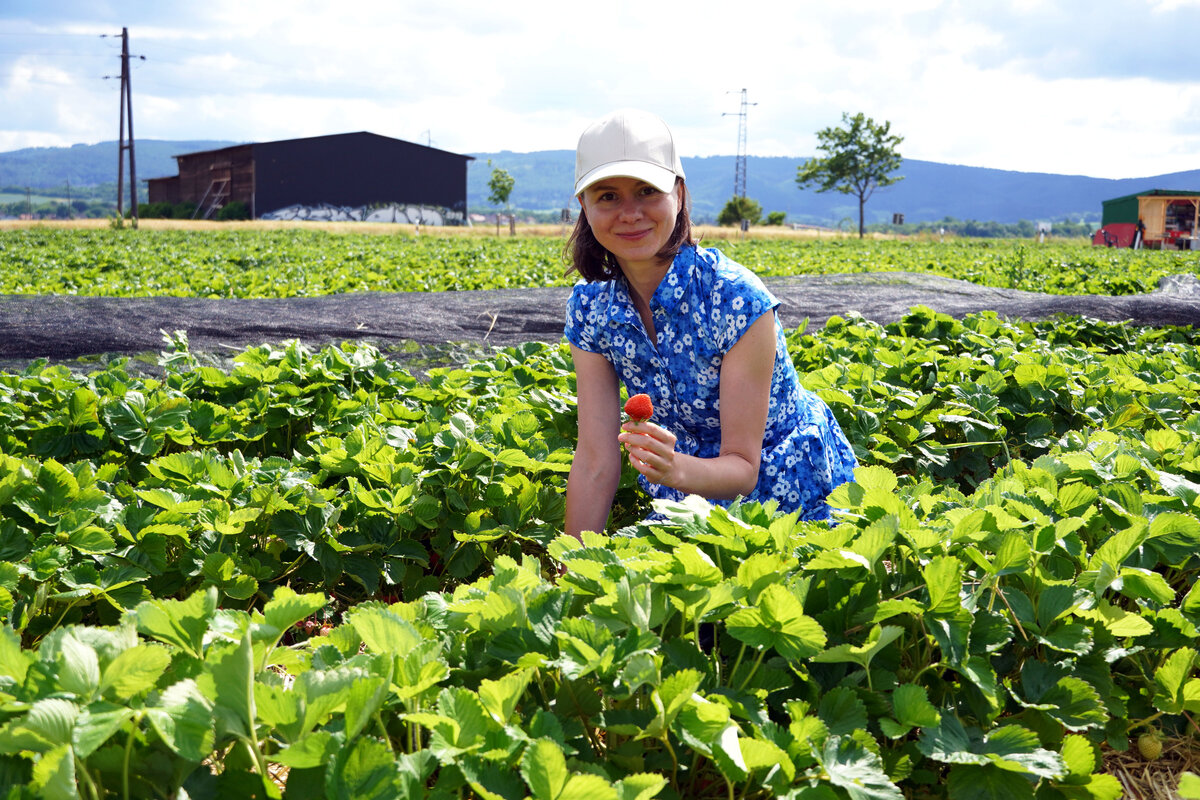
66	327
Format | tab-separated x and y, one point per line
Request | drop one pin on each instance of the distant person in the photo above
692	329
1138	235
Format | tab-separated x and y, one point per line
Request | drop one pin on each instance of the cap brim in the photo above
659	177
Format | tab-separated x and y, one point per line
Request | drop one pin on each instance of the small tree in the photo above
738	209
501	185
776	218
859	158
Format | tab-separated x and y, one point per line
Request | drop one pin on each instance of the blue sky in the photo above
1105	88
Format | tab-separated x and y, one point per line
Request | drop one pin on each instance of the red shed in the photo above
1170	219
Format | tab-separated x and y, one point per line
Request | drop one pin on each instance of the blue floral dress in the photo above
701	308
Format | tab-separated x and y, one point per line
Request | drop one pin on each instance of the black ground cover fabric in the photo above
62	327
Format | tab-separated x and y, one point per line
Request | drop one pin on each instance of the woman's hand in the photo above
651	450
745	399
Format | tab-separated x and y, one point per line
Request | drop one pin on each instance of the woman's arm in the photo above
745	394
596	468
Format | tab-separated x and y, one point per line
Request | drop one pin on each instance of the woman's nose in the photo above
631	208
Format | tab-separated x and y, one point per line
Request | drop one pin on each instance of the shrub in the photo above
156	211
234	210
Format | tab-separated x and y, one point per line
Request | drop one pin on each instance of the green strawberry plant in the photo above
1007	589
980	645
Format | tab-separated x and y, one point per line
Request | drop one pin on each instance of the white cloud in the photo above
1027	85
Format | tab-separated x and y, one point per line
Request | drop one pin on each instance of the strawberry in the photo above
1150	746
639	408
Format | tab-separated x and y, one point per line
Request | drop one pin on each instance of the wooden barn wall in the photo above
163	190
357	169
198	171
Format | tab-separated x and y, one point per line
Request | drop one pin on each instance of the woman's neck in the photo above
642	281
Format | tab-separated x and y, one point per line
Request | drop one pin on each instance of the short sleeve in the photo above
580	328
739	299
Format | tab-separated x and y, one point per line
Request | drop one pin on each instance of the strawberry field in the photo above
299	263
313	573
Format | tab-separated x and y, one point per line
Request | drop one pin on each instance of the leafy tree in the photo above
859	158
738	209
776	218
500	186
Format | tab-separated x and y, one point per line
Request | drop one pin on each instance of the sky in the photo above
1103	88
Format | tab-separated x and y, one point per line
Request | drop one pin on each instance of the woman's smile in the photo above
634	235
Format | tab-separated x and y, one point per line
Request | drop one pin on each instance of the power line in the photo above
24	34
72	53
34	79
739	170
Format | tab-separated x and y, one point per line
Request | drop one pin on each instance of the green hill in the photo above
86	165
930	191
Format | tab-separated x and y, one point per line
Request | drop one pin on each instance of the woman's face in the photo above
631	219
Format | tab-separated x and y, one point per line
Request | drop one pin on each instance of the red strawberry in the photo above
639	408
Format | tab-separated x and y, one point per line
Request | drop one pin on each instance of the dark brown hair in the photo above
595	263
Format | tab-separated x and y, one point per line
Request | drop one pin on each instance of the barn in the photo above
340	176
1169	219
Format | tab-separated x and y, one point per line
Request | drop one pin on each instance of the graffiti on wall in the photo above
392	212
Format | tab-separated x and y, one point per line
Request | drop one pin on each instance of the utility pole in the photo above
739	172
126	112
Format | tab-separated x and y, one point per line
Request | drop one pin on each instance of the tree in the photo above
776	217
501	185
738	209
859	158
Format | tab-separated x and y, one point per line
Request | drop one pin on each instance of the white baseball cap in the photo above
628	144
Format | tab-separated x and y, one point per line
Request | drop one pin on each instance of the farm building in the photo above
341	176
1171	219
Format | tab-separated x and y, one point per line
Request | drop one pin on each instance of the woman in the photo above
690	328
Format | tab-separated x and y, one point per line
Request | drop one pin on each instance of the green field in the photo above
282	263
36	199
312	573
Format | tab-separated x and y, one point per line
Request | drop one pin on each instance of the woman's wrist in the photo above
722	477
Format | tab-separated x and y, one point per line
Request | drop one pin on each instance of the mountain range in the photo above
930	191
